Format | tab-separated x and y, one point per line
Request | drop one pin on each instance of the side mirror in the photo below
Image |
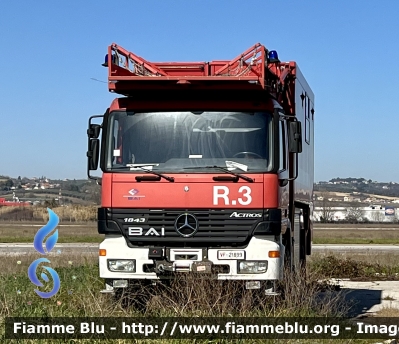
93	154
295	137
94	131
93	149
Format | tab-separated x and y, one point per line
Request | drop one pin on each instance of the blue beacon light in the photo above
273	56
105	64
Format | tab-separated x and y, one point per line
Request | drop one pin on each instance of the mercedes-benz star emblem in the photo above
186	225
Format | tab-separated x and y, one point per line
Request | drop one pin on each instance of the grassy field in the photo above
356	235
24	232
79	294
187	296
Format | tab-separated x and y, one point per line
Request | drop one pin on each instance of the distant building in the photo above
5	203
372	213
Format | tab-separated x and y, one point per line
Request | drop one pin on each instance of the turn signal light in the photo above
274	254
102	252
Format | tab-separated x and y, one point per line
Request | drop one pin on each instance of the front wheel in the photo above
288	242
136	295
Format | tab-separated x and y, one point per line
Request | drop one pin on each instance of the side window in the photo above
282	147
117	143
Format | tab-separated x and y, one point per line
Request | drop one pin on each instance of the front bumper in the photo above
257	250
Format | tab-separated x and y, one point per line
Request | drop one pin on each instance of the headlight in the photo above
122	265
252	267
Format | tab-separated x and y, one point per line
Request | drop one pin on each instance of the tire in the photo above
289	250
297	239
134	296
309	238
303	237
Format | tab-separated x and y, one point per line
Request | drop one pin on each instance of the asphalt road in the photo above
83	249
356	248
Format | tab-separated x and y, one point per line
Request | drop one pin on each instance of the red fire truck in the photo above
207	167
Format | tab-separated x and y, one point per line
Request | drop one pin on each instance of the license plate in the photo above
231	255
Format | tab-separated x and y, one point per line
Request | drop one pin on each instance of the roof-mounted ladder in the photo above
253	68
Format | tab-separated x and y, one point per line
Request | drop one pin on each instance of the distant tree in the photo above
9	183
354	215
73	187
326	209
393	218
361	187
377	216
50	204
365	219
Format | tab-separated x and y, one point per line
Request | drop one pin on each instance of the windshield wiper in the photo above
221	168
170	179
141	167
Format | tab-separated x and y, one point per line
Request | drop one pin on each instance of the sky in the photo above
51	51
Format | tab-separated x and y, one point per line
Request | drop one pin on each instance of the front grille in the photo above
215	226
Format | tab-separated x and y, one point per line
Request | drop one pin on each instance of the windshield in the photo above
186	141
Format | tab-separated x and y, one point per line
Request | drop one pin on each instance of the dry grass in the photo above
72	213
186	296
356	266
5	210
386	259
388	312
202	296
